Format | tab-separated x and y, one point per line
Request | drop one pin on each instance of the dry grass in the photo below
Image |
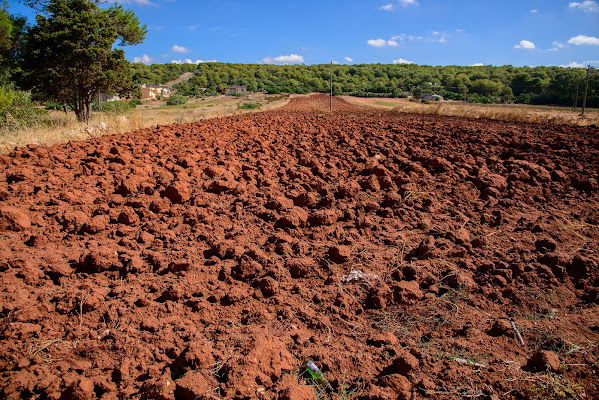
511	112
59	127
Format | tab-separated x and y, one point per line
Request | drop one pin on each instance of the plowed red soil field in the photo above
407	256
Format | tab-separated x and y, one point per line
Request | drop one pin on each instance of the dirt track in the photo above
210	260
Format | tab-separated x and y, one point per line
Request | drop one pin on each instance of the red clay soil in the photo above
402	254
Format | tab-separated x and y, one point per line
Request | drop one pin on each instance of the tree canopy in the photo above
69	55
536	85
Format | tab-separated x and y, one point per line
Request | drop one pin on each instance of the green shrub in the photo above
54	105
6	97
17	110
248	106
135	102
176	100
116	107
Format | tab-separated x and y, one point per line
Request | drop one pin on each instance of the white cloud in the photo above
586	6
188	61
582	39
573	64
349	59
289	59
402	61
534	11
404	3
179	49
383	42
525	44
377	42
556	46
478	65
145	59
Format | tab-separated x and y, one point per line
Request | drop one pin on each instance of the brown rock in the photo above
399	384
340	254
404	363
408	292
14	219
268	286
300	267
128	216
162	388
544	360
178	193
197	355
501	327
246	270
80	389
296	217
383	339
193	386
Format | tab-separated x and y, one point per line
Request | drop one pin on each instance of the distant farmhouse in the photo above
431	97
237	90
154	91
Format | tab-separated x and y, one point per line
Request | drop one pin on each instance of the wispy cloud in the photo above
349	59
534	11
179	49
586	6
556	46
188	61
145	59
402	61
525	44
435	37
402	3
573	64
582	39
478	65
288	59
382	42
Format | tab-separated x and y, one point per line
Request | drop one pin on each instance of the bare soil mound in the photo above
403	254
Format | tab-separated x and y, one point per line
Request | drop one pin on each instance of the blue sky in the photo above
430	32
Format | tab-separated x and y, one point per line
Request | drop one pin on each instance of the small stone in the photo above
340	254
545	245
400	385
14	219
501	327
192	386
404	363
383	339
178	193
81	389
268	286
544	360
427	248
300	267
408	292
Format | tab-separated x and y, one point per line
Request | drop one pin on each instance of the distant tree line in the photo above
485	84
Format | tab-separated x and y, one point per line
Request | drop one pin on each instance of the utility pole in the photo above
575	100
331	97
586	89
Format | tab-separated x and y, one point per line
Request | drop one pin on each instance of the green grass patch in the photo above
248	106
385	103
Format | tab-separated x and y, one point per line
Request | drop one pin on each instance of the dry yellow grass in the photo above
502	112
59	127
